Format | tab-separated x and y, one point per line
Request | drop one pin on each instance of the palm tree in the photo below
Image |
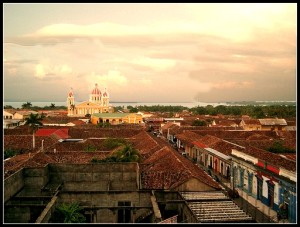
52	106
33	121
128	154
26	105
71	213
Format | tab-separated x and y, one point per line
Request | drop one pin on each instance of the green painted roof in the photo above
110	115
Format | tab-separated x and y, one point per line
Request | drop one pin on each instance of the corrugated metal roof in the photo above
274	121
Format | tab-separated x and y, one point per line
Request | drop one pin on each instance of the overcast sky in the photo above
150	52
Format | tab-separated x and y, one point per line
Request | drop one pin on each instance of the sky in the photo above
150	52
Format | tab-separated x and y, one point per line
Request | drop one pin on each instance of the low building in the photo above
268	179
22	115
271	124
116	118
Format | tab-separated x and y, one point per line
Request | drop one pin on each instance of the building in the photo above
268	179
97	103
116	118
275	124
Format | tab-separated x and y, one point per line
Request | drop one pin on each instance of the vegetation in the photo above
90	147
199	123
8	107
69	213
112	143
278	147
34	120
159	108
26	105
103	125
126	154
10	152
280	111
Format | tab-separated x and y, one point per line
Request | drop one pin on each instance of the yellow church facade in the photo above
97	103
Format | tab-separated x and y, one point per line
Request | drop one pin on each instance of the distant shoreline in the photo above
16	104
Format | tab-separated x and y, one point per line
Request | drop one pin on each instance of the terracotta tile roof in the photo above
262	144
199	144
292	157
209	140
225	147
144	143
17	131
85	133
168	169
251	121
271	158
226	122
78	122
188	137
41	159
256	136
235	134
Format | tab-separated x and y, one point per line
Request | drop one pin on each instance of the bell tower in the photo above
71	103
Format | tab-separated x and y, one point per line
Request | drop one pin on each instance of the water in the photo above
125	104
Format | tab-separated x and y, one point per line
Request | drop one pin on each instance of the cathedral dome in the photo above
96	91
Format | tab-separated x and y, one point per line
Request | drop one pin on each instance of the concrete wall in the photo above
48	211
13	184
36	177
107	203
95	177
17	215
194	185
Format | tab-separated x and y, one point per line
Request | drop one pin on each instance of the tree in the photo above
26	105
71	213
8	107
52	106
33	121
126	154
198	123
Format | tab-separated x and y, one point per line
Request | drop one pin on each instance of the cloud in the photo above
42	71
155	64
113	78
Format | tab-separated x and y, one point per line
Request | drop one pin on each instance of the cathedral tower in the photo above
71	103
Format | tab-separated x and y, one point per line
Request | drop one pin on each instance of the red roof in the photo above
96	91
199	144
61	133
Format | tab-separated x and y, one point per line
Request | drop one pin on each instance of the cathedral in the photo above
97	103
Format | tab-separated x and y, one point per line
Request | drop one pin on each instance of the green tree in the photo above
34	121
126	154
9	153
90	147
71	213
26	105
199	123
278	147
112	143
52	106
8	107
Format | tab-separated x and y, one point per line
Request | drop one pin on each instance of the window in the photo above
124	212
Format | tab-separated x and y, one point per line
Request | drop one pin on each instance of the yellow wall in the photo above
130	119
